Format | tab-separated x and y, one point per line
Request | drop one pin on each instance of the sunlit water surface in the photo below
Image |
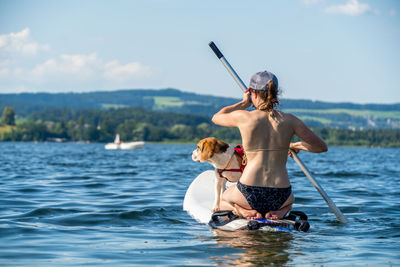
78	204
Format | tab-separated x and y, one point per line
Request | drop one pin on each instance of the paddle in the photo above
332	206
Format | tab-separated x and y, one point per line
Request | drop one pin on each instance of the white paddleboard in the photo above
199	197
199	200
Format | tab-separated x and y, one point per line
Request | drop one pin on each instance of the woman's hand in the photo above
230	116
246	102
293	147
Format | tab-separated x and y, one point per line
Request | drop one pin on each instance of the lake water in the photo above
78	204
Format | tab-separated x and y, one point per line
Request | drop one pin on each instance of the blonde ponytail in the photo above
269	97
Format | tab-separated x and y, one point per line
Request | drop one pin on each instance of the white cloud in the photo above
4	72
89	66
393	12
115	71
4	68
352	8
78	66
84	71
64	72
20	43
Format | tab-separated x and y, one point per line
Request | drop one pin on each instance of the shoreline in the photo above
179	143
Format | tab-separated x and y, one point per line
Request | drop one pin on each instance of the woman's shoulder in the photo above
284	115
286	118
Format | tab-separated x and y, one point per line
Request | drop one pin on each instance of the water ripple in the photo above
78	204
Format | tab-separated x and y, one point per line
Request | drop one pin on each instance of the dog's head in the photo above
207	147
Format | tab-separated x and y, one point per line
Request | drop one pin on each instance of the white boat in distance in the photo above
118	144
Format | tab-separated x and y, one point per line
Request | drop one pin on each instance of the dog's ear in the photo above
207	147
221	146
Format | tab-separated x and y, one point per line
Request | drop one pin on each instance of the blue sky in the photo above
329	50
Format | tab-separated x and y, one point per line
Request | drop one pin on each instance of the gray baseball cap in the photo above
260	80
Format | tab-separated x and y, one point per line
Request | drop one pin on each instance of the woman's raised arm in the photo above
227	117
310	141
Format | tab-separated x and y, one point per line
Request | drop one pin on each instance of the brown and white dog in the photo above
228	162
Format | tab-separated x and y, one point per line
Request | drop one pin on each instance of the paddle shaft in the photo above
228	66
332	206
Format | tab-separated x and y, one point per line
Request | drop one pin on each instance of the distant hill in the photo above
314	113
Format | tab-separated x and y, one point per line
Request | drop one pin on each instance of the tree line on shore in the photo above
134	124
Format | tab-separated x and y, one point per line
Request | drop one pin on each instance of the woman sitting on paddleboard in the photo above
264	188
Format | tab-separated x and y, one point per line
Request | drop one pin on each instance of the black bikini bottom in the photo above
264	199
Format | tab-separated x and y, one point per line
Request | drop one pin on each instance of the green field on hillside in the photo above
361	113
115	106
161	102
315	113
313	118
166	101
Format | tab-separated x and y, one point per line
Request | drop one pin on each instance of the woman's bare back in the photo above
266	142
